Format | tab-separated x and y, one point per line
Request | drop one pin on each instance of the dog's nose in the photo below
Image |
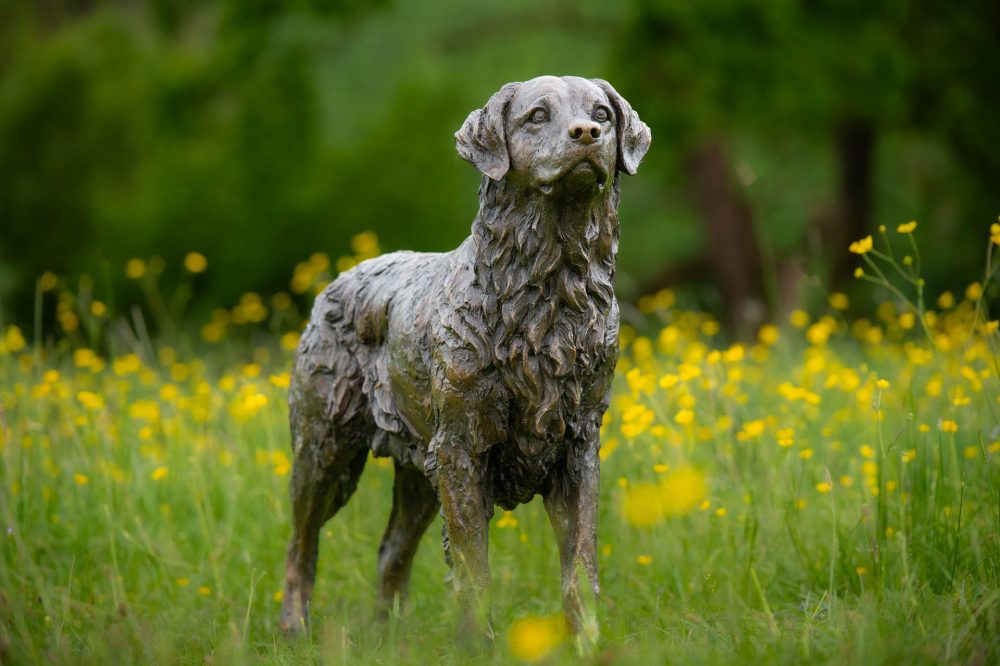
585	132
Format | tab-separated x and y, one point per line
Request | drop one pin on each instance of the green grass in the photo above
145	517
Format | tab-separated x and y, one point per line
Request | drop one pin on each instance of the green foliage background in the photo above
260	132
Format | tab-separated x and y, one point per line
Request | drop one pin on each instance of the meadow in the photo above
827	493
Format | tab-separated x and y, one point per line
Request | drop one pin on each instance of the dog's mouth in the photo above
583	177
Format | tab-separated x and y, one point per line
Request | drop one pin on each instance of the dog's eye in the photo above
601	114
539	115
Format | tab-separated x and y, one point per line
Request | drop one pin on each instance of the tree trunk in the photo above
855	144
733	251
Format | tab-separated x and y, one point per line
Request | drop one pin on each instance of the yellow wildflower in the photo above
639	382
710	327
608	447
48	281
819	333
684	417
507	521
839	301
135	268
13	340
534	638
688	371
643	505
862	246
734	354
90	400
799	318
195	262
282	465
281	380
679	492
636	420
768	334
683	490
365	244
750	430
668	381
213	331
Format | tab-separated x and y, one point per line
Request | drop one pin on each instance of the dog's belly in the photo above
522	468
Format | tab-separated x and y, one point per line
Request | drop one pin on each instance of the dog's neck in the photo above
541	312
524	238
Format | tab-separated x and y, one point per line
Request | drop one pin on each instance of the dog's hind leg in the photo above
414	505
318	490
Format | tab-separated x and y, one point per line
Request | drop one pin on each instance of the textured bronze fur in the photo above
483	372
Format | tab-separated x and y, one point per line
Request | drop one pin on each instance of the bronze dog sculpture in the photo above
483	372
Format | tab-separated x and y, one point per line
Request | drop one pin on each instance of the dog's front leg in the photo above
571	502
467	507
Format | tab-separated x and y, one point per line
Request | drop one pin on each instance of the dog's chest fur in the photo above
518	325
535	322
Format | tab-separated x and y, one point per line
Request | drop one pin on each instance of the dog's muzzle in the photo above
581	178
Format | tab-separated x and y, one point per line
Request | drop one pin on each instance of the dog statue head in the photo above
553	136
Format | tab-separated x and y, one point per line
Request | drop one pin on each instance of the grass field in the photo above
830	493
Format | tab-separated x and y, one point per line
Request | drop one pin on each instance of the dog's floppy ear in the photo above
633	134
482	141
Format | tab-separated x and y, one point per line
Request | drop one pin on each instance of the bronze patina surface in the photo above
483	372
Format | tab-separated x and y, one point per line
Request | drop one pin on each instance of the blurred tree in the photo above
171	125
956	95
258	132
255	132
712	70
828	72
68	139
